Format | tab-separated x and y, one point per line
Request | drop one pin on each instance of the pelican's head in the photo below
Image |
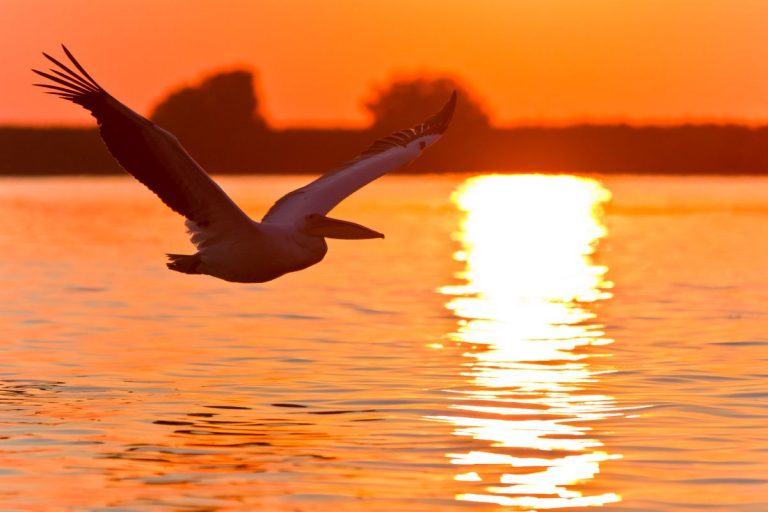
316	224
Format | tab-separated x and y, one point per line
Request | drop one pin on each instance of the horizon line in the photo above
522	123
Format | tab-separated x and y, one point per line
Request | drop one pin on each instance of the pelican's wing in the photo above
152	155
384	155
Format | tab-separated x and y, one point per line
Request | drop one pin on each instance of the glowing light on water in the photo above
527	243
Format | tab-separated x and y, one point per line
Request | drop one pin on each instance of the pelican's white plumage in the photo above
230	245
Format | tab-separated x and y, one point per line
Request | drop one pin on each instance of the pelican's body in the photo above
259	253
230	245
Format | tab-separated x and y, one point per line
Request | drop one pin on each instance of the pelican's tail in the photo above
186	263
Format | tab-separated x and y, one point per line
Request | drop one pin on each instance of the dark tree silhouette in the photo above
404	101
218	121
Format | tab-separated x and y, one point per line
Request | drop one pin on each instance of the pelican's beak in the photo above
320	225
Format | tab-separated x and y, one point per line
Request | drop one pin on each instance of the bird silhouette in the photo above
230	245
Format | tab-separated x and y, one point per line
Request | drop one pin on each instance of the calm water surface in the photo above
516	343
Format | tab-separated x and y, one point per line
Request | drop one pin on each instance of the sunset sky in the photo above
530	61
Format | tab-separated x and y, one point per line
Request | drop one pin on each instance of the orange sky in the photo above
547	61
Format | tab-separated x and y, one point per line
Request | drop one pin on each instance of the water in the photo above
516	343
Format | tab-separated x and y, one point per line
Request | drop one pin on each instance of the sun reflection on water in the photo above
523	313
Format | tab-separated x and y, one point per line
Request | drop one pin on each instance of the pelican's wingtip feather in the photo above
71	81
439	122
79	67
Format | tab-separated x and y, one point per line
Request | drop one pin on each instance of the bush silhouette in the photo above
218	121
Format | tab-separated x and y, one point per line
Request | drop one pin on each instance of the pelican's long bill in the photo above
320	225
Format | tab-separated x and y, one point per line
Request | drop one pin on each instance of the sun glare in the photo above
523	309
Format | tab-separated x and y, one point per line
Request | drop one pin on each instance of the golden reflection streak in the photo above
527	245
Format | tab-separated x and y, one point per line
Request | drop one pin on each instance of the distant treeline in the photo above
602	149
220	125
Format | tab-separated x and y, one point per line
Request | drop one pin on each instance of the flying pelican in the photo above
230	245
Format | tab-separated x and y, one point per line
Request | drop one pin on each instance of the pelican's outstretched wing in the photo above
152	155
384	155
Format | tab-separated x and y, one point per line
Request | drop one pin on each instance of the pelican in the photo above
230	245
